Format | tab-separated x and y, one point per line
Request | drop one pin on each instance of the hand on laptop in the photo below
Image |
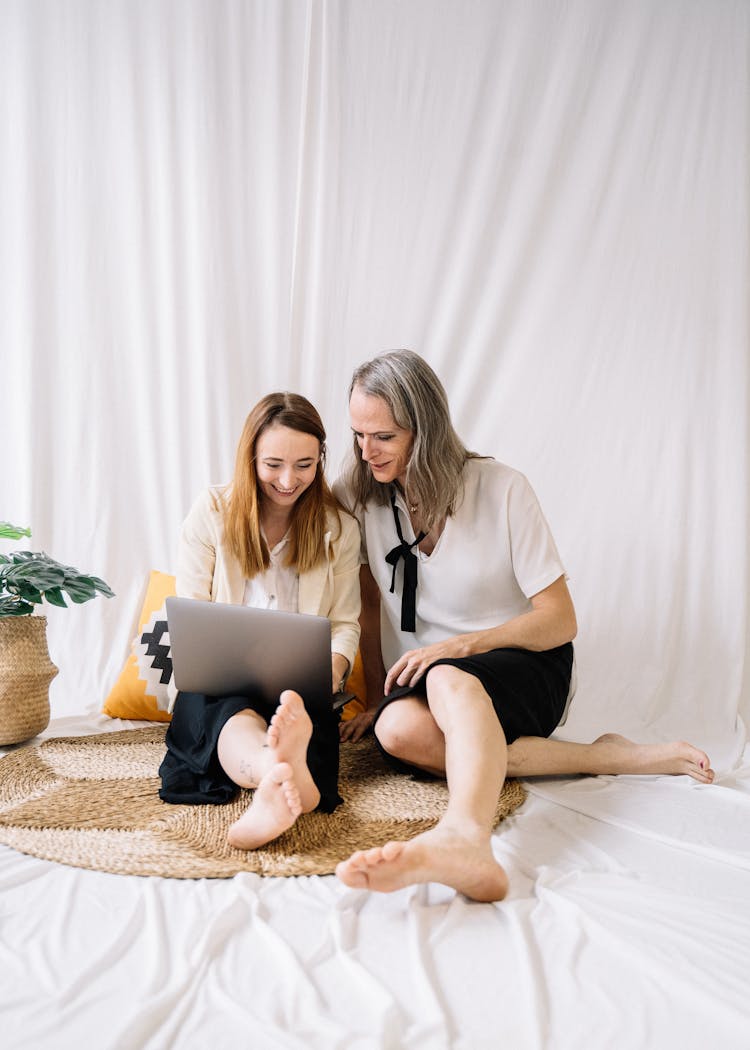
339	672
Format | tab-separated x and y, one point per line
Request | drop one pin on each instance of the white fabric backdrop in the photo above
201	202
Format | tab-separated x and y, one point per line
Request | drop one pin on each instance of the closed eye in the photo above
275	464
376	437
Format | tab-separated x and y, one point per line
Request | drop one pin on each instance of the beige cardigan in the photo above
206	569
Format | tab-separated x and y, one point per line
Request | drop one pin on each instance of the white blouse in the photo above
277	587
494	554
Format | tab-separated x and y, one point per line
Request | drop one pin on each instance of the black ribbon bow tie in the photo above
405	550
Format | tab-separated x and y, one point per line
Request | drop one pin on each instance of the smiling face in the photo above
385	446
286	462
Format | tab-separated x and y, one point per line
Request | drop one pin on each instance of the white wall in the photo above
201	202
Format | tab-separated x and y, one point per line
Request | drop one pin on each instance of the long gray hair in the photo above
418	402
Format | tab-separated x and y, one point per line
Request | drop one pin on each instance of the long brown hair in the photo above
418	403
242	502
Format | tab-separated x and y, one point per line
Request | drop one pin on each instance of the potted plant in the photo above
28	579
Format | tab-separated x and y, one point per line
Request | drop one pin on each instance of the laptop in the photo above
221	649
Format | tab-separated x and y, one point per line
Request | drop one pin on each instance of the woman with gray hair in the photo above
467	630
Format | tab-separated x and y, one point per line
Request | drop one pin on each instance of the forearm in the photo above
549	623
536	630
339	665
344	605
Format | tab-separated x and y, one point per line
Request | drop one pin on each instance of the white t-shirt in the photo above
495	553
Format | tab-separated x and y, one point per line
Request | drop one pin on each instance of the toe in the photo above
374	856
392	850
292	799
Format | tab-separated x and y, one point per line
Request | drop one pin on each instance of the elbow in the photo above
568	621
563	631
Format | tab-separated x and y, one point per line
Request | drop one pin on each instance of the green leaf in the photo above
12	532
102	587
12	606
41	574
27	591
29	577
80	590
55	597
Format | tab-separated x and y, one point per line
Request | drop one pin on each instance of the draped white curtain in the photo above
204	200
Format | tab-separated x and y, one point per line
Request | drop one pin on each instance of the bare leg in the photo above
407	730
417	739
273	760
457	852
242	748
531	756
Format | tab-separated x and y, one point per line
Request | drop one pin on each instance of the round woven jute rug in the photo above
92	802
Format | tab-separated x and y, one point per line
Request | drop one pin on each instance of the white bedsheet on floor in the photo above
627	926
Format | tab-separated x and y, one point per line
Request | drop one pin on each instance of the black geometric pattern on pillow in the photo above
153	655
159	652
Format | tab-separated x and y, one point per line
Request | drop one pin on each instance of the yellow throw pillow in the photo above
141	691
139	694
355	684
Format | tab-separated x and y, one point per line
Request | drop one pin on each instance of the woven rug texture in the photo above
92	802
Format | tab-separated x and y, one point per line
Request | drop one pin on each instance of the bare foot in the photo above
439	855
625	756
274	808
288	735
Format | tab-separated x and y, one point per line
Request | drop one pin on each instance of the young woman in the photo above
274	538
467	630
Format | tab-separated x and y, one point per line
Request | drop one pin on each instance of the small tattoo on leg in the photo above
247	770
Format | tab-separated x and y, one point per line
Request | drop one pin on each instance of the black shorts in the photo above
528	690
191	773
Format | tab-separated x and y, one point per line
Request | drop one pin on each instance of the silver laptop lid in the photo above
221	650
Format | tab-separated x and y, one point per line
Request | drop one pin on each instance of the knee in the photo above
452	692
393	733
448	686
445	679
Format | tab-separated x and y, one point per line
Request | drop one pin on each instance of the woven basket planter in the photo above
25	674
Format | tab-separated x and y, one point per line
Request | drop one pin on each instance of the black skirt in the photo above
529	690
191	773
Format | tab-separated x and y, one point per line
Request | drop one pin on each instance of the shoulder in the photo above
482	477
209	505
212	498
342	526
494	492
486	468
344	494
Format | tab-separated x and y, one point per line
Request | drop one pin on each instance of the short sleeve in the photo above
536	560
